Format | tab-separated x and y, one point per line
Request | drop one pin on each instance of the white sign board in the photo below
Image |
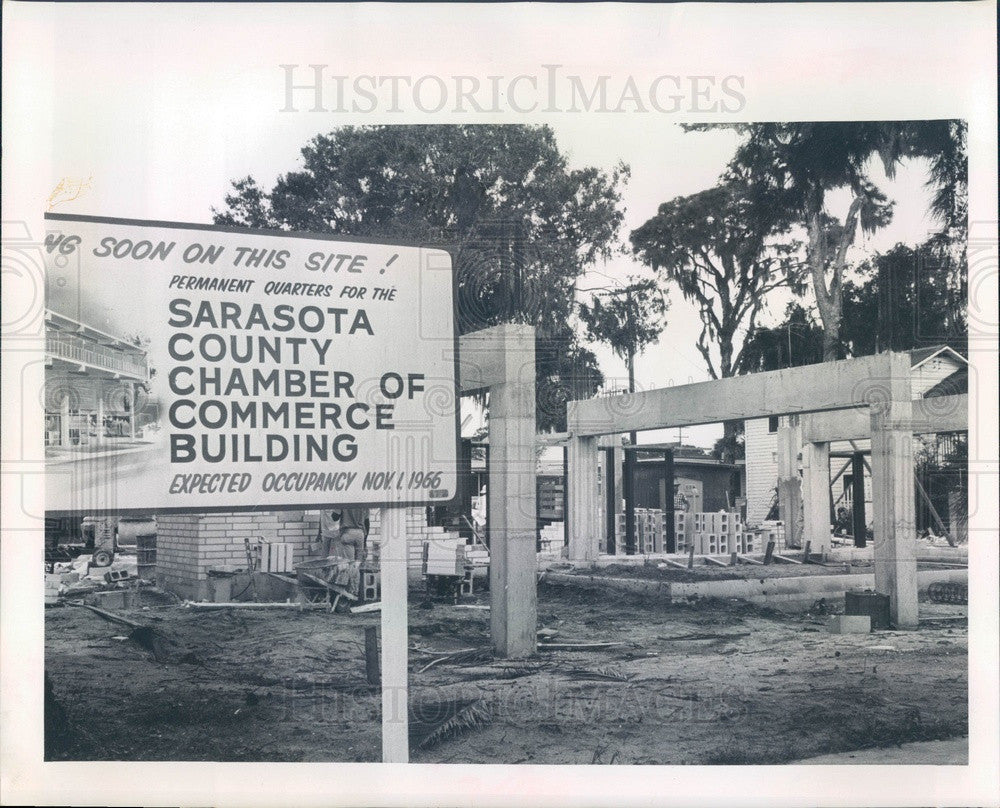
191	367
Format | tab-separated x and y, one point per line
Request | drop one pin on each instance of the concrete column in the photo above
611	501
789	482
816	496
602	499
581	480
859	524
619	462
892	495
513	508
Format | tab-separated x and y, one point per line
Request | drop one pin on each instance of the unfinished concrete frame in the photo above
501	360
880	384
890	425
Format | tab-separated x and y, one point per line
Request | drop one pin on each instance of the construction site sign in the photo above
192	367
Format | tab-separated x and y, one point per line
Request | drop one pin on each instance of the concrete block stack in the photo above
717	533
683	530
552	538
478	555
417	533
53	584
274	556
650	530
773	530
444	557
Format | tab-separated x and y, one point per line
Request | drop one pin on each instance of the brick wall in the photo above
189	545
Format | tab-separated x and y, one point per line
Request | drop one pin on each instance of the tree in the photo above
795	341
522	224
631	319
944	256
808	160
904	301
718	247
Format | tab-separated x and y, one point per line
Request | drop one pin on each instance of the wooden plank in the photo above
332	587
253	605
368	607
785	559
372	672
284	578
110	616
933	510
715	561
748	560
577	646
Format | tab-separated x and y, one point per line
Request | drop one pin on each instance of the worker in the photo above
343	533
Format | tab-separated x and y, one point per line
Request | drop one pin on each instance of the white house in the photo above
935	371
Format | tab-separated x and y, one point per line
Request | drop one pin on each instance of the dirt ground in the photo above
703	572
717	682
659	571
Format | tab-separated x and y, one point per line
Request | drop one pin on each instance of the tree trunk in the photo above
829	299
831	341
729	428
631	387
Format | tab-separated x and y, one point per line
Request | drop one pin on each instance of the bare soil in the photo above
704	572
715	682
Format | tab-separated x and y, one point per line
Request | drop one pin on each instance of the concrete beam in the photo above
930	415
826	386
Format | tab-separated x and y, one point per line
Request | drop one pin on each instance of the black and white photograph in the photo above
378	393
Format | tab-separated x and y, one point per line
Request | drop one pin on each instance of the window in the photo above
772	423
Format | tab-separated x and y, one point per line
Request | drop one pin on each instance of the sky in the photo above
159	115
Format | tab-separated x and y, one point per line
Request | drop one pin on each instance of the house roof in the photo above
919	356
682	460
953	385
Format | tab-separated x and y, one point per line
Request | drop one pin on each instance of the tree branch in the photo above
703	349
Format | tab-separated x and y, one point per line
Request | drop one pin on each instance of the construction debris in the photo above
190	604
946	592
579	646
849	624
433	722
